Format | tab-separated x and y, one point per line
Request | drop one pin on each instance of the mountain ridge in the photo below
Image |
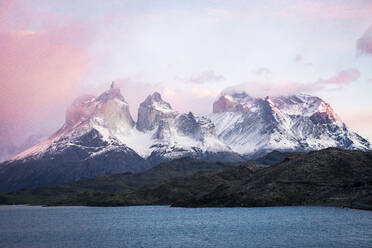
100	132
287	123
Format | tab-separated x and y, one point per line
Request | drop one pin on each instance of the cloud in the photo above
342	78
205	77
360	119
199	100
264	88
364	43
298	58
193	99
135	92
331	10
40	71
263	71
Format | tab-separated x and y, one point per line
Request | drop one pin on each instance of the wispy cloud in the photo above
264	88
298	58
342	78
263	71
329	9
195	98
364	43
205	77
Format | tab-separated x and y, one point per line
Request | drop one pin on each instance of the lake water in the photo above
161	226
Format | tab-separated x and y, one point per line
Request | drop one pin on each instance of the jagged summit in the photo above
108	119
156	102
108	114
176	135
297	122
155	97
112	93
298	104
152	111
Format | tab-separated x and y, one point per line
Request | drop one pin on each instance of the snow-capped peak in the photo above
297	122
156	102
108	114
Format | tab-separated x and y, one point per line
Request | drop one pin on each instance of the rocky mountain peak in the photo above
155	101
156	97
152	111
108	110
297	122
112	93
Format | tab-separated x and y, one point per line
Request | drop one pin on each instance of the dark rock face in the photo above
163	132
321	118
188	125
152	111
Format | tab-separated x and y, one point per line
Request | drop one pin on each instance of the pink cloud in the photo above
13	15
361	120
364	43
343	77
196	100
329	9
264	88
39	69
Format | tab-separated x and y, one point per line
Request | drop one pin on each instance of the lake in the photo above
162	226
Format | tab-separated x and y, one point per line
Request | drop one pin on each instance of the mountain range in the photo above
255	126
100	137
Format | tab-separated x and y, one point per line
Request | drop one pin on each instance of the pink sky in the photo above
52	51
